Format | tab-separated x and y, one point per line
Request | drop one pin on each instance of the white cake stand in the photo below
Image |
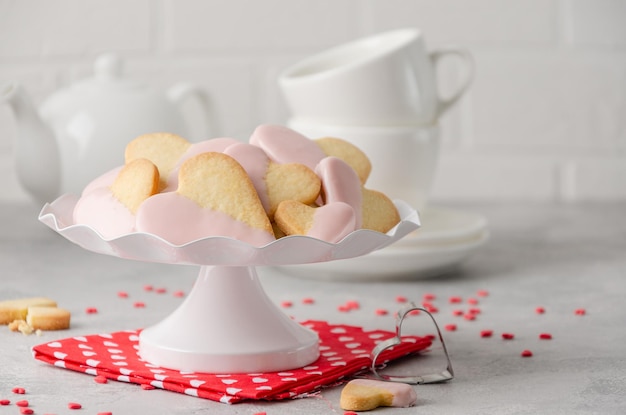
227	323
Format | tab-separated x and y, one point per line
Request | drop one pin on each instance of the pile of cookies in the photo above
30	315
280	183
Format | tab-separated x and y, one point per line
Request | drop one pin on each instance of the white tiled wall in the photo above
544	120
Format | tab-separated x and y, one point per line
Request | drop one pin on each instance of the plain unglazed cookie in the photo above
215	197
162	149
136	181
379	212
48	318
347	152
368	394
17	309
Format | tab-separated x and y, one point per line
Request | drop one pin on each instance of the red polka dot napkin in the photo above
344	351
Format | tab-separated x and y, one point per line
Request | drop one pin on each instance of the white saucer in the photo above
447	238
443	226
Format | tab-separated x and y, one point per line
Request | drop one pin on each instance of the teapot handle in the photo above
468	62
183	91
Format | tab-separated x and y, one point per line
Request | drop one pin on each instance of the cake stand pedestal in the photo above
227	324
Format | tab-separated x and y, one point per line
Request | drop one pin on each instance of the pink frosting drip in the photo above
179	220
341	184
255	162
333	222
100	210
104	180
284	145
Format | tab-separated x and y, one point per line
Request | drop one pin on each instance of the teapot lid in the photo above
108	72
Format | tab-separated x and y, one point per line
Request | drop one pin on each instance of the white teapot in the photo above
81	131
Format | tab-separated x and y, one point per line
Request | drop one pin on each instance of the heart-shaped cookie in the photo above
331	222
347	152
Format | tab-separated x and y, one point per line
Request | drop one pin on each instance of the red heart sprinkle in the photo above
122	294
148	287
580	312
286	304
100	379
482	293
381	312
429	297
160	290
350	413
74	405
472	301
352	305
414	312
5	402
91	310
23	403
545	336
18	390
455	299
401	299
526	353
432	309
486	333
308	300
450	327
104	413
178	293
26	411
469	316
457	312
540	310
508	336
139	304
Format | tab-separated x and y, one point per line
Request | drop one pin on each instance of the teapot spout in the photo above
36	151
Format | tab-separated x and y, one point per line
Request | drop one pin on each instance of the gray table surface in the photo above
561	257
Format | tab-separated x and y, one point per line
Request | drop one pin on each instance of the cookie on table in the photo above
48	318
17	309
368	394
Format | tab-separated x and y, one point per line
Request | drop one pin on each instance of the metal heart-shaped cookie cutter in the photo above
442	376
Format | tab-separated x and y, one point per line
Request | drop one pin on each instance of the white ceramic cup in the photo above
387	79
404	159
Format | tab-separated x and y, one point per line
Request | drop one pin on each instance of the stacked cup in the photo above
380	93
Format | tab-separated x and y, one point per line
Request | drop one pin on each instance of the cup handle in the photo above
183	91
468	61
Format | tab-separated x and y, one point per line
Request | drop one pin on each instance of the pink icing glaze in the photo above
255	162
284	145
333	222
340	183
217	145
100	210
179	220
104	180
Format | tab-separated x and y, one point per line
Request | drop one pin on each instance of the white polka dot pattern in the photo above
343	352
